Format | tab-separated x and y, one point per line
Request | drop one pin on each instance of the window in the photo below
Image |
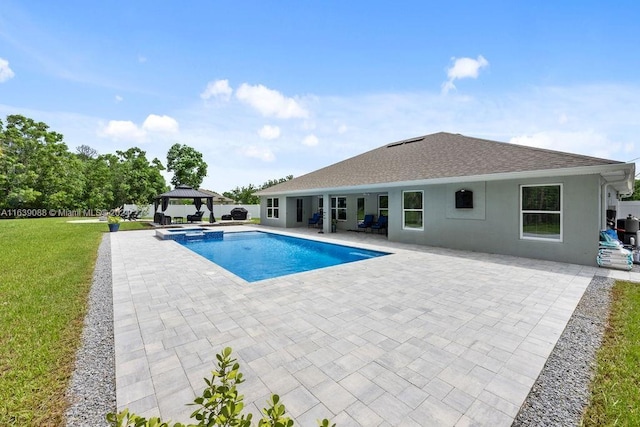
299	210
360	214
339	208
412	210
272	207
383	205
541	212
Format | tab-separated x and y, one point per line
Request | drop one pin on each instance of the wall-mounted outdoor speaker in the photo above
464	199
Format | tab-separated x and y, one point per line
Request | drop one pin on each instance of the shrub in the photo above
219	405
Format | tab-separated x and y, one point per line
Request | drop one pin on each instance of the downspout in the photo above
604	196
605	189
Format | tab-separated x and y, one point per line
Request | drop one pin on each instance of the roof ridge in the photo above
545	150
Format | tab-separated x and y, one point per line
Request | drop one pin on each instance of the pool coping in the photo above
220	236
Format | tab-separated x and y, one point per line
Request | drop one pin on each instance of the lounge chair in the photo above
380	224
314	220
195	217
367	222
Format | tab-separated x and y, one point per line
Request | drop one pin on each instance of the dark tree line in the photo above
37	171
245	195
636	191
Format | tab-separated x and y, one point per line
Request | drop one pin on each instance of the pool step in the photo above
194	236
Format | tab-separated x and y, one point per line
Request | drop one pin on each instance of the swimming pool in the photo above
257	255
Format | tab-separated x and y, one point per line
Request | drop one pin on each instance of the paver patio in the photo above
425	336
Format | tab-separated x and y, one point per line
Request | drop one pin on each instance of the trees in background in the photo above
187	166
37	170
245	195
36	167
138	181
636	191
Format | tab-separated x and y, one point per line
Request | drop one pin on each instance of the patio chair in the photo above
161	219
195	217
380	224
313	221
367	222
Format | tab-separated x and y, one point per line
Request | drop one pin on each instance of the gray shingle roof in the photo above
439	155
183	192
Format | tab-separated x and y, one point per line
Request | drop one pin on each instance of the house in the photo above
218	199
459	192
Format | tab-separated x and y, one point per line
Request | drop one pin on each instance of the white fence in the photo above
184	210
628	208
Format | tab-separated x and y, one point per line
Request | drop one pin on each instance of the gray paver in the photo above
400	340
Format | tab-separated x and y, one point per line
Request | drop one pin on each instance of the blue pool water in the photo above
256	255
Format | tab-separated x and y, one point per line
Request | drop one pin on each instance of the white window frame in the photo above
421	210
273	207
380	209
560	213
334	210
360	213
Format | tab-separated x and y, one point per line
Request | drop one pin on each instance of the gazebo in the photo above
184	192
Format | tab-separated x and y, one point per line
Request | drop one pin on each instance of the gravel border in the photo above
558	397
92	391
561	392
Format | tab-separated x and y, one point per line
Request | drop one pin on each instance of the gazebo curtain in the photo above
212	219
198	203
165	203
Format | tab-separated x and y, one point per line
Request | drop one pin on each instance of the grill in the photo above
239	213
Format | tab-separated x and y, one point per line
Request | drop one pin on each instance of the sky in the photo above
267	89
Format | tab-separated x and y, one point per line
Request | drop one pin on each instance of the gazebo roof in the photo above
184	192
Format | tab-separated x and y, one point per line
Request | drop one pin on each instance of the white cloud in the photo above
6	73
463	68
310	140
342	128
562	119
586	142
162	124
270	103
308	125
217	89
126	130
123	130
118	98
269	132
142	59
262	153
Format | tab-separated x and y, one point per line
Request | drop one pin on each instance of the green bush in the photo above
219	405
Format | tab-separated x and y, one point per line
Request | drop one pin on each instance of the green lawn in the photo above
615	390
46	267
